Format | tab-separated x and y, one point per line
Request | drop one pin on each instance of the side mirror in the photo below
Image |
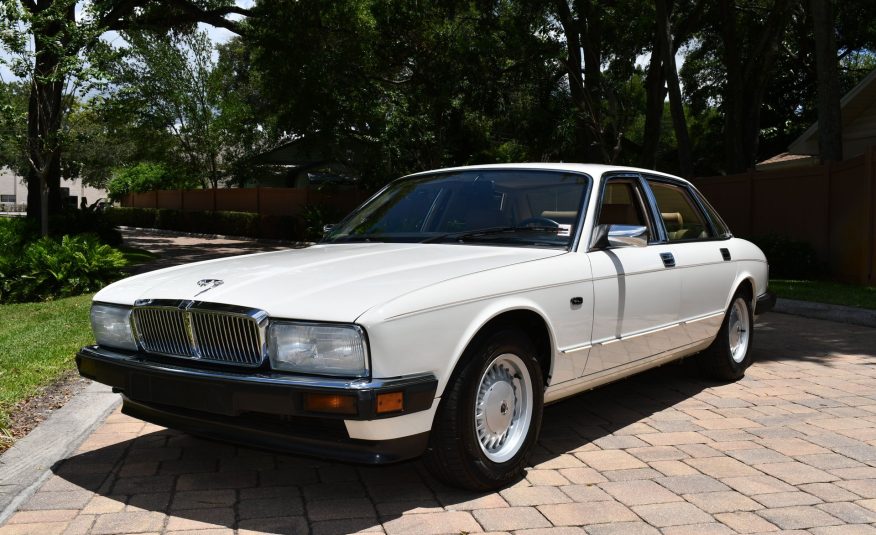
328	228
606	236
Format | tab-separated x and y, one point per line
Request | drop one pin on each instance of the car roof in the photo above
594	170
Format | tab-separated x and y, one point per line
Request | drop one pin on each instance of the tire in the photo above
490	414
730	354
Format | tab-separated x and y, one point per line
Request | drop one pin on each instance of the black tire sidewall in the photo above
735	370
496	344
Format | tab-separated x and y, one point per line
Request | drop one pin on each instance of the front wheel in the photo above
489	416
730	354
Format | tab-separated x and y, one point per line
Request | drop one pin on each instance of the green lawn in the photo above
137	256
37	344
826	292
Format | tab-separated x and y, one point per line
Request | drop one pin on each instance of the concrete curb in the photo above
28	463
162	232
824	311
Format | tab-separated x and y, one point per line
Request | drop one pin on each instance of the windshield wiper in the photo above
359	238
462	235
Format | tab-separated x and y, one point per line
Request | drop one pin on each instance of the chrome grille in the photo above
215	333
227	338
163	331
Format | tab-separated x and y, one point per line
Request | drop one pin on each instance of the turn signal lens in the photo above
331	403
391	402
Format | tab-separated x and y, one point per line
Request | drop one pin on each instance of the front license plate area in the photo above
198	396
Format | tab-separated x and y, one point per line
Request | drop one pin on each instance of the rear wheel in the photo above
730	354
490	414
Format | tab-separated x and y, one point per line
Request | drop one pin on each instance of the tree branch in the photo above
174	13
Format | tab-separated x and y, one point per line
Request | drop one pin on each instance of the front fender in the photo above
436	340
428	330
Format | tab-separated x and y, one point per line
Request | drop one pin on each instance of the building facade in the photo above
13	192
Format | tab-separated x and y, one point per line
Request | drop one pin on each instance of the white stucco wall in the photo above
11	184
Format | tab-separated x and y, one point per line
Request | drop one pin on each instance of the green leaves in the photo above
145	176
49	268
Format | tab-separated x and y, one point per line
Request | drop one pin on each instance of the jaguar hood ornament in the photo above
208	284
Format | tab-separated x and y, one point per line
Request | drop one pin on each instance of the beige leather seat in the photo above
561	216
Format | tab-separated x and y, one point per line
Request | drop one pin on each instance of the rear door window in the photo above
681	216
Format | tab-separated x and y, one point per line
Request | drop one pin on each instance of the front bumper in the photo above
765	303
259	408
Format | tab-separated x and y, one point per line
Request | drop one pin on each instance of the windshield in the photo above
502	207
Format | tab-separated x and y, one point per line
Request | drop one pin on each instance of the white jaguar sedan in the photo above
438	318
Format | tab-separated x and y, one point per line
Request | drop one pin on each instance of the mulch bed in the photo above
29	413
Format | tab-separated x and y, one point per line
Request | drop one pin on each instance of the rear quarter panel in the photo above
751	265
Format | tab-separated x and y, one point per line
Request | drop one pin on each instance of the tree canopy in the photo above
392	86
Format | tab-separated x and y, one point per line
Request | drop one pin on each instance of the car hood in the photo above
332	282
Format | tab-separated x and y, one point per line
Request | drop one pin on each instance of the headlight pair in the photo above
314	348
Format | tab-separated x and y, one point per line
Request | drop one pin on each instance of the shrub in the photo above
315	217
85	222
789	259
132	217
169	219
281	227
14	233
236	223
48	268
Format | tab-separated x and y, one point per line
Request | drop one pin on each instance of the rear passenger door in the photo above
706	270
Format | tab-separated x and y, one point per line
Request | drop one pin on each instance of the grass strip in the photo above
38	342
833	293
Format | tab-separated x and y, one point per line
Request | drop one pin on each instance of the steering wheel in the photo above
538	222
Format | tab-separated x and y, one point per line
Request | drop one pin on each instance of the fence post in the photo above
871	189
828	214
214	199
155	203
750	202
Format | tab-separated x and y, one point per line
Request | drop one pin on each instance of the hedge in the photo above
246	224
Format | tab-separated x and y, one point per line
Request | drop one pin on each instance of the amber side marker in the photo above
390	402
331	403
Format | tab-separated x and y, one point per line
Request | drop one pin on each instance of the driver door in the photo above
636	290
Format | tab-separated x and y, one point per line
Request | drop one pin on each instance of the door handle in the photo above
668	259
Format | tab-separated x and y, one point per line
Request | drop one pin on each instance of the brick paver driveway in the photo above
791	447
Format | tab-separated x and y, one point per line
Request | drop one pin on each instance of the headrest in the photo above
560	215
672	219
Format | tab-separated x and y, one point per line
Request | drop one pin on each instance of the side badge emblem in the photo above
208	284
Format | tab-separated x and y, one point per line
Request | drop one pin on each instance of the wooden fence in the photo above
263	201
832	207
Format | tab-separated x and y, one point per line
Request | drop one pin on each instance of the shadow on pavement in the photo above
784	337
201	483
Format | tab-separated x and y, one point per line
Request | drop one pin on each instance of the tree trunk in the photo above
676	106
44	120
591	41
573	63
655	96
830	129
747	73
